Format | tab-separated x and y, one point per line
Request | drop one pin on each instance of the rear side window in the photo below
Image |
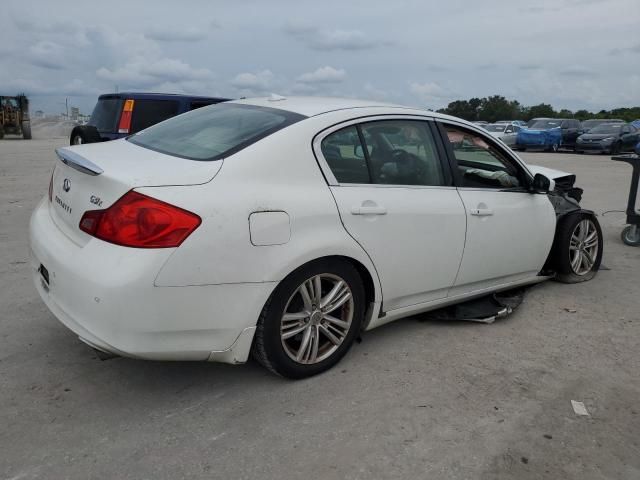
389	152
150	112
106	114
214	132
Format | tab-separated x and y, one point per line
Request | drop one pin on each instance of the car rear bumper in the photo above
106	295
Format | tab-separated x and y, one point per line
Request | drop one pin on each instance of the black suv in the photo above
117	115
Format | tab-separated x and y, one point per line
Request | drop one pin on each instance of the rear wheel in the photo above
578	248
615	148
311	319
631	235
1	132
26	130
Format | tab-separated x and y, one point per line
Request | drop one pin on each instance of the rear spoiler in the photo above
78	162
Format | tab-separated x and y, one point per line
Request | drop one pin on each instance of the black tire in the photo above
77	138
26	130
628	238
1	132
580	152
565	273
268	347
615	148
521	149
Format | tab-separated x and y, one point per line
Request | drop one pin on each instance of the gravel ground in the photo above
415	399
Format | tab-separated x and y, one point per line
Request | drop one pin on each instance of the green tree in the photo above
543	110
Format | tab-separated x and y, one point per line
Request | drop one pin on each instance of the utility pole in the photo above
66	105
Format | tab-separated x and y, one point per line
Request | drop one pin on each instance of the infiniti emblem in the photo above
66	185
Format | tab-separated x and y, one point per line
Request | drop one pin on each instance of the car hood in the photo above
548	172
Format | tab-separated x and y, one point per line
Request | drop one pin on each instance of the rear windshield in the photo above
106	113
214	132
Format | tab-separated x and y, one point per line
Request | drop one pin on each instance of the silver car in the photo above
504	131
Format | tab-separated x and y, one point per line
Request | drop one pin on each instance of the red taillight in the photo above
125	116
51	186
136	220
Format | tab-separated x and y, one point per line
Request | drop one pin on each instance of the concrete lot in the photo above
415	399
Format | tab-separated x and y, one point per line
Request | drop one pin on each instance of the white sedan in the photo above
285	227
507	132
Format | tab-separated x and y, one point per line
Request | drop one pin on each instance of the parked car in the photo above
504	131
117	115
520	123
589	124
260	226
610	138
549	134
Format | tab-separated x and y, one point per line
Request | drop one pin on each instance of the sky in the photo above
571	53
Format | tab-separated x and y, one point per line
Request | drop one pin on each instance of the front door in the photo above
509	229
396	199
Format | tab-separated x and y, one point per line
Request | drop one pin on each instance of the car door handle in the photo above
481	212
368	210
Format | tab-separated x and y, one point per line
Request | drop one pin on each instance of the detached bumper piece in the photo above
483	310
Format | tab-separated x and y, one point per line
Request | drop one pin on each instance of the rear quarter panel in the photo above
278	173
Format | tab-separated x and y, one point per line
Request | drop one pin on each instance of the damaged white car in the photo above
285	227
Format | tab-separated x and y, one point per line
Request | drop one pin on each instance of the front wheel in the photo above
311	319
26	130
631	235
578	248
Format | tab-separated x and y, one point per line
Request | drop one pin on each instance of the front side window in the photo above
480	163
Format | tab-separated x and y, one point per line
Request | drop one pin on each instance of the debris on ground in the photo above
484	309
579	408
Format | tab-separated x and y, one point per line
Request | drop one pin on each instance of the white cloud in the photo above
322	75
141	72
321	39
259	82
46	54
428	91
182	34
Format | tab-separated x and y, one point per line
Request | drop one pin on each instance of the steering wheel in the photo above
410	166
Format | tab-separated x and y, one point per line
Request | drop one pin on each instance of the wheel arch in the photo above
367	273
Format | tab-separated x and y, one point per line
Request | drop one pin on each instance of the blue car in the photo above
118	115
544	135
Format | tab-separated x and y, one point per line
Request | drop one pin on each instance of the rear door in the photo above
509	230
396	199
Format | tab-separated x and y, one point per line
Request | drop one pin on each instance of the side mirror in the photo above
358	151
542	184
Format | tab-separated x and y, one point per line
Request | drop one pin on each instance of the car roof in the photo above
312	106
156	95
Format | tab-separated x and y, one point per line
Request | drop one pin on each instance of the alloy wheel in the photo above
584	247
317	318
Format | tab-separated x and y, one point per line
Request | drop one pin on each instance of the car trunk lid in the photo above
94	176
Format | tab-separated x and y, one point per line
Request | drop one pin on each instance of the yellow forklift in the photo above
14	116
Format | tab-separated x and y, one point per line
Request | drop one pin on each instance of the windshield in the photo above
607	128
546	124
496	127
214	132
106	113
